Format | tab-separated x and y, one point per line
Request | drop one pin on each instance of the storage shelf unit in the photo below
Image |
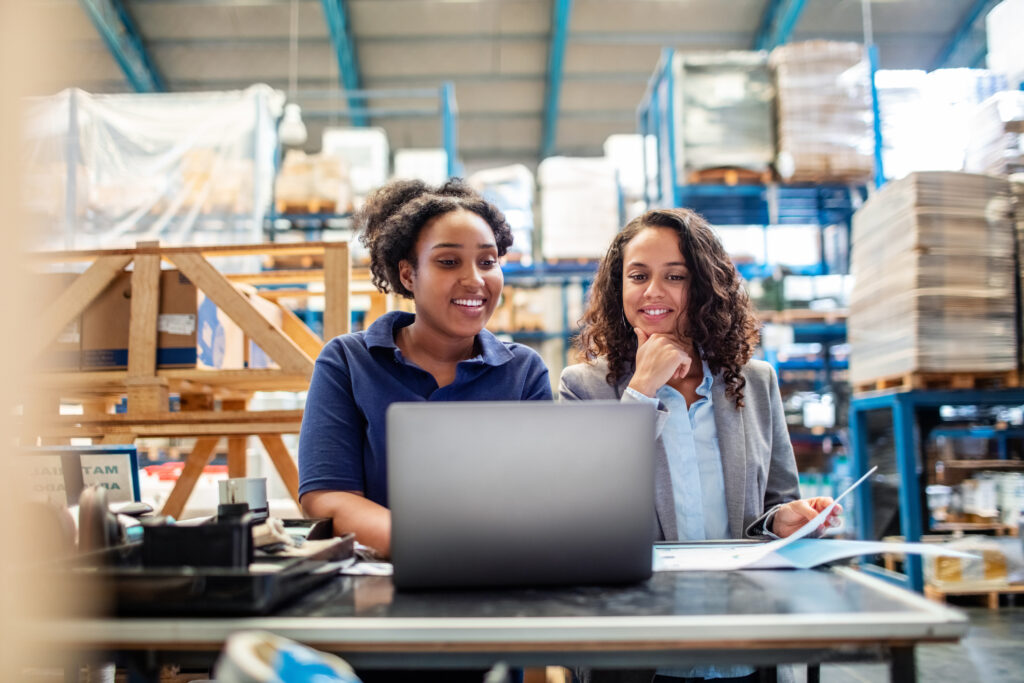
911	412
753	204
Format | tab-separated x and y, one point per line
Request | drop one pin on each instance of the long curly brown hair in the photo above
394	215
720	320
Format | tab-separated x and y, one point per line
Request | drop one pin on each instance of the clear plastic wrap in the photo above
825	123
511	189
933	267
723	108
184	168
996	139
579	206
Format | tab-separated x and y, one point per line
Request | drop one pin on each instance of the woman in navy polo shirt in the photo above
439	247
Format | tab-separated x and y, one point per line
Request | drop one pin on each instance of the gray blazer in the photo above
757	456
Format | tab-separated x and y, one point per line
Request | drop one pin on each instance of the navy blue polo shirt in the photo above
342	446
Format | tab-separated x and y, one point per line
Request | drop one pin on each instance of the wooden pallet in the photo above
729	175
312	205
989	592
941	380
799	315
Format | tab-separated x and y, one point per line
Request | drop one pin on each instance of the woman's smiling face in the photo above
456	281
655	282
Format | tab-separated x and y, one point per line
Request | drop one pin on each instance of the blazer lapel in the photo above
732	445
664	501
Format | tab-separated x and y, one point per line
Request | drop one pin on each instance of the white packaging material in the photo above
428	165
1011	497
905	130
579	206
365	150
980	496
626	154
182	168
995	142
1004	27
793	245
511	189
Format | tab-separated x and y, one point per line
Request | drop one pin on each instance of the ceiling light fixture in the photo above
292	131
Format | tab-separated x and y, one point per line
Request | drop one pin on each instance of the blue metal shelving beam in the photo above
777	24
338	25
561	12
125	43
962	32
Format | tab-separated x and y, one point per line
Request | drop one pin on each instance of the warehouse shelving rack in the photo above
742	204
914	416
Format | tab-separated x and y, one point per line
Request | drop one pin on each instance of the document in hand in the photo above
793	552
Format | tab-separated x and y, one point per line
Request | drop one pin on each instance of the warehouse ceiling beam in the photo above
561	12
960	40
337	17
123	39
777	24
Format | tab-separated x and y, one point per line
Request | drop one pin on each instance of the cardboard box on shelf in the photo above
191	330
64	352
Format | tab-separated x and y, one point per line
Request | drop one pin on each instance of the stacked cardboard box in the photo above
825	121
934	278
996	142
1017	216
723	111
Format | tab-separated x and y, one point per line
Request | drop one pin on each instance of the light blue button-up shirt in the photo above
690	437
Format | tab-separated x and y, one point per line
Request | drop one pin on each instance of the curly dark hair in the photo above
393	216
720	320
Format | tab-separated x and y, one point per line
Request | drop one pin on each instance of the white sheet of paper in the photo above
726	557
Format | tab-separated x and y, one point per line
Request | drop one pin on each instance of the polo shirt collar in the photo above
381	334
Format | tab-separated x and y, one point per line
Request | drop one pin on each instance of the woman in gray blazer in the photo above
669	323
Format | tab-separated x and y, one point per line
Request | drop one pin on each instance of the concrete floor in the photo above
991	652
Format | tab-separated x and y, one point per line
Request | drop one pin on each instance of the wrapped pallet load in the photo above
580	206
184	168
723	107
933	269
825	120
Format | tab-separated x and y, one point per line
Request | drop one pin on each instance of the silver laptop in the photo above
527	493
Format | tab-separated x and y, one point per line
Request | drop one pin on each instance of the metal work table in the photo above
758	617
